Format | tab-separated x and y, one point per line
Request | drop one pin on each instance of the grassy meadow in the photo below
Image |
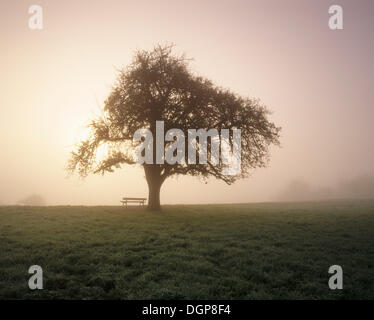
239	251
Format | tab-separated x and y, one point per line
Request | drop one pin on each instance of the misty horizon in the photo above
317	83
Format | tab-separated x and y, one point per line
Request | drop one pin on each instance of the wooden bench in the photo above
126	200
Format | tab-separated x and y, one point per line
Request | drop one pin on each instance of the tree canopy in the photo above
159	86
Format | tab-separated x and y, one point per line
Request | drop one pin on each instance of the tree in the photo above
158	86
32	200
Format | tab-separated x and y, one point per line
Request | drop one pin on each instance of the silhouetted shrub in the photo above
32	200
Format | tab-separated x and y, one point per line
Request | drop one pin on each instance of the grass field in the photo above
243	251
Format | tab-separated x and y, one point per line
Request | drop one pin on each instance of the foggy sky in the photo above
317	82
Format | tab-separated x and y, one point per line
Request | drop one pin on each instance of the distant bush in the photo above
361	187
299	190
32	200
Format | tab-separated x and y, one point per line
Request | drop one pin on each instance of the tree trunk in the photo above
154	196
154	181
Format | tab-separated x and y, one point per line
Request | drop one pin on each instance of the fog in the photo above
361	187
317	82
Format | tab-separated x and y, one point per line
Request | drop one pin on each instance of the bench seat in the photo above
127	200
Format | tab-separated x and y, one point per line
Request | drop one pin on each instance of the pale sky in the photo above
318	83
